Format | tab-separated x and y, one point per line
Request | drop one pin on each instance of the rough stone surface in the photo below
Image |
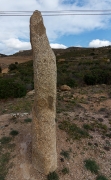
44	156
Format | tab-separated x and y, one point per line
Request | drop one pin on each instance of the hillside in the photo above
3	55
83	117
71	53
75	66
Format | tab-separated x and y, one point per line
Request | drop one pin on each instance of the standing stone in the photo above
44	155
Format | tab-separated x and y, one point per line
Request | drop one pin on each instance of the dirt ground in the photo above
80	106
5	61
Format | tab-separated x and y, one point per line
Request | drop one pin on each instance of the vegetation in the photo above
27	120
4	159
5	143
73	130
65	154
10	88
102	128
5	140
84	66
101	177
65	170
53	176
25	72
18	81
12	67
98	76
14	133
81	66
91	166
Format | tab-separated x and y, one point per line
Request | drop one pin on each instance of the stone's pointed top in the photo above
36	17
37	12
36	24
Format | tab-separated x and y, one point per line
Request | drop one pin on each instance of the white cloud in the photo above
56	26
13	45
17	44
99	43
58	46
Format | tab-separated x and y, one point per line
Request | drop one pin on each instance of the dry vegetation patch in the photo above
83	136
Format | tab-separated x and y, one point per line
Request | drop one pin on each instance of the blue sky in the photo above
62	31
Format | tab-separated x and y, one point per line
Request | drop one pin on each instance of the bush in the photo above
65	154
101	177
53	176
27	120
90	79
12	67
98	76
9	88
14	133
5	140
65	170
91	165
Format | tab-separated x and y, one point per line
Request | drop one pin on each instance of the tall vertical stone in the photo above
44	156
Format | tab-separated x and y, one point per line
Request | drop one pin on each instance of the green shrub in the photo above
101	177
91	165
87	126
14	133
5	140
9	88
90	79
27	120
4	159
73	130
65	170
53	176
12	67
98	76
65	154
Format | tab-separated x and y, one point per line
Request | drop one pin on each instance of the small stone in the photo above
107	148
96	144
100	119
65	88
30	93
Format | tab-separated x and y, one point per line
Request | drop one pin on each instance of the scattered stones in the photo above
16	115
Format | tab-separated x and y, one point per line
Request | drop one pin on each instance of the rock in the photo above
100	119
65	88
31	93
107	148
44	155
